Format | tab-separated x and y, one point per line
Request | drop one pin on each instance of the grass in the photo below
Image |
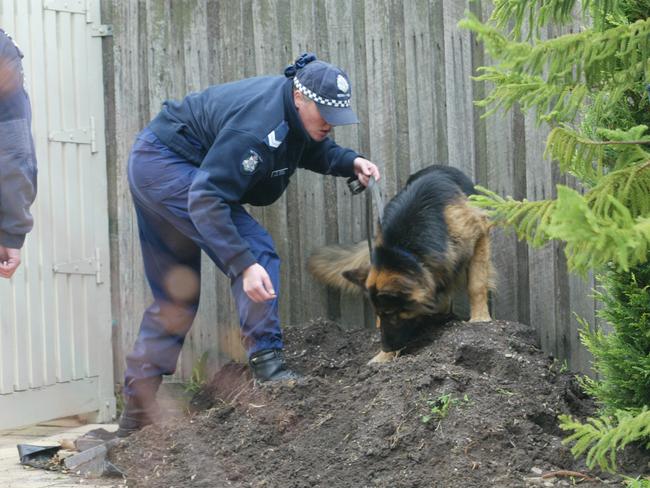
503	391
558	367
199	375
637	483
439	408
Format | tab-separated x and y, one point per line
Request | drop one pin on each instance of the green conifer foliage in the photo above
597	75
622	358
592	87
602	437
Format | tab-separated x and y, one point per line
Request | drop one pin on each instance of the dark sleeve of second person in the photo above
17	158
222	180
328	158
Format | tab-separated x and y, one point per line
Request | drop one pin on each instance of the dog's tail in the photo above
327	264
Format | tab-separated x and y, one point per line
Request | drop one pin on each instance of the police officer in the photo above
190	171
17	158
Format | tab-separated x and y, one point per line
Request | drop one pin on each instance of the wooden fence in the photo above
411	71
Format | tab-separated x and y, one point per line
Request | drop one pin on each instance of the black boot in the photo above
141	408
269	365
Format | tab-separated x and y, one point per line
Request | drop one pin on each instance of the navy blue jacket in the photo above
17	156
247	139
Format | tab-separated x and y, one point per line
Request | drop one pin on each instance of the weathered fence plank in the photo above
345	22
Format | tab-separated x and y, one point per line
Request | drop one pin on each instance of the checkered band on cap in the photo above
317	98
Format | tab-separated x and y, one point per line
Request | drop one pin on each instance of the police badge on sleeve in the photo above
250	163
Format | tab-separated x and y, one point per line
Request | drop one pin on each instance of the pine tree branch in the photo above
597	228
559	77
613	143
576	155
529	219
552	102
595	56
594	236
515	14
536	13
602	437
584	157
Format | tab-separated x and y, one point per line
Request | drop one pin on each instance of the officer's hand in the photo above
9	261
257	284
364	169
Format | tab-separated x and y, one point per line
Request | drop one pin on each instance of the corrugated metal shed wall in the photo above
411	70
55	324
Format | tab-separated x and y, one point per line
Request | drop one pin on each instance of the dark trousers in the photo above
171	249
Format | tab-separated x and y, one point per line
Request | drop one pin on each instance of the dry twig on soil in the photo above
567	474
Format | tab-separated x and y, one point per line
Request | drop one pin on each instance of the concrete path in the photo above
14	475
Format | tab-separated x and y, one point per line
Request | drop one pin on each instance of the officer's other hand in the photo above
9	261
364	169
257	284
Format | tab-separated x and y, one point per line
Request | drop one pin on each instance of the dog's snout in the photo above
395	333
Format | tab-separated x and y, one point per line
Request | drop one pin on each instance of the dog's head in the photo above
401	291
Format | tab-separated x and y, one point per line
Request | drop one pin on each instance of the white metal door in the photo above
55	320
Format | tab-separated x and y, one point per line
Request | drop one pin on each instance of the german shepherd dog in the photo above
430	242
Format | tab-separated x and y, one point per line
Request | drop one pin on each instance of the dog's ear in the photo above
357	276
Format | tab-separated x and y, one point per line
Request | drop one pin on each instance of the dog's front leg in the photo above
383	357
478	280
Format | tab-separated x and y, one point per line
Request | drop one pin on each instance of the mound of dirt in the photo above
467	405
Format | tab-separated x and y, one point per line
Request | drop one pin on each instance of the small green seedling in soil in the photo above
439	407
558	368
565	367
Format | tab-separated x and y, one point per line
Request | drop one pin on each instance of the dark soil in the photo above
349	424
